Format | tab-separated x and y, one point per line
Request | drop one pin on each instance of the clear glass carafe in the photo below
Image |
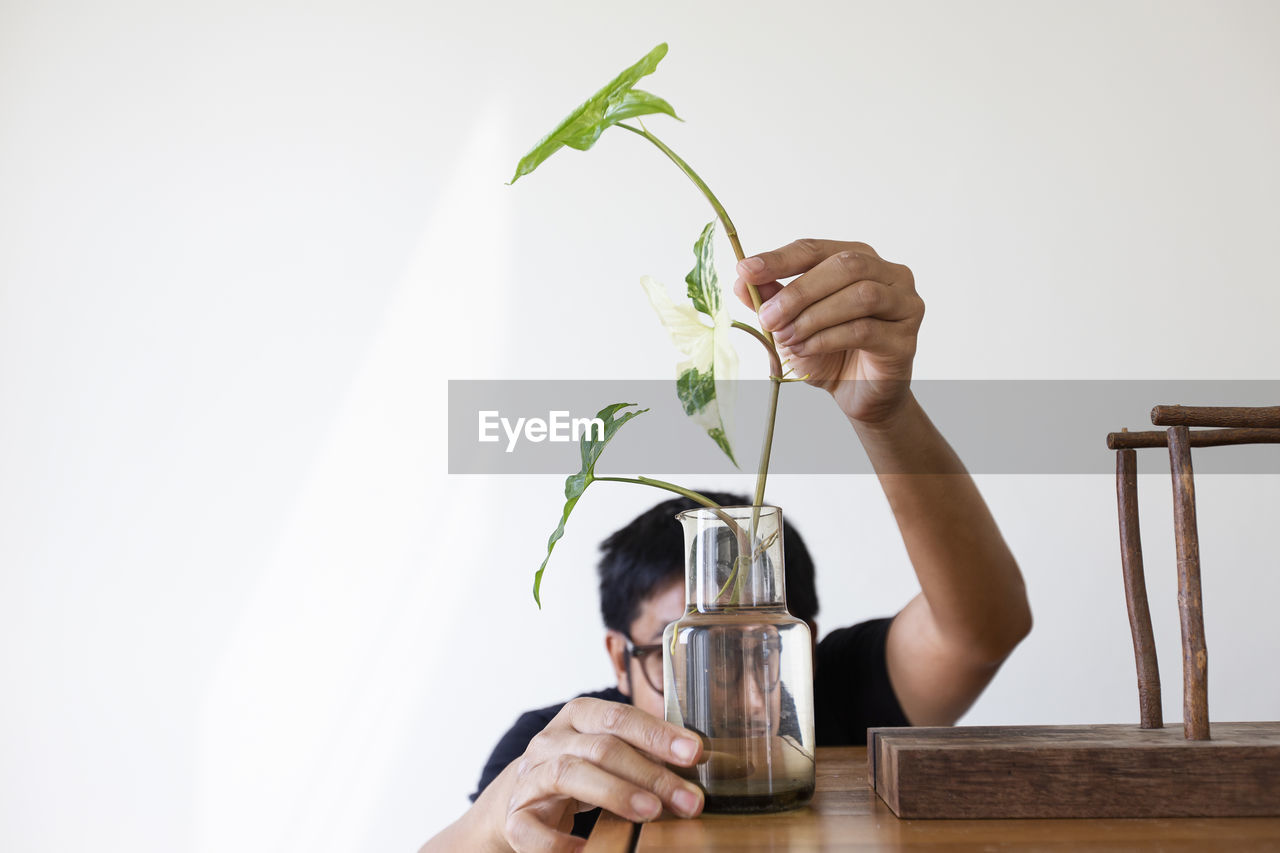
738	668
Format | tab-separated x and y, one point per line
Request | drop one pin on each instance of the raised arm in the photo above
849	322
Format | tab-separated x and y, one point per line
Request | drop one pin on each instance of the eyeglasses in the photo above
650	658
761	656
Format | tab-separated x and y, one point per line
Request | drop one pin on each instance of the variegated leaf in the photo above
704	289
712	362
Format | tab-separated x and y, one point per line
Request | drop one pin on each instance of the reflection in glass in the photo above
738	668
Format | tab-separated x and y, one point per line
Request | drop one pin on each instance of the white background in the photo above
243	246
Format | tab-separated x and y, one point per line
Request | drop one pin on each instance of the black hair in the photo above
647	554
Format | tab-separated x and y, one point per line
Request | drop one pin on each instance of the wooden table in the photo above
845	814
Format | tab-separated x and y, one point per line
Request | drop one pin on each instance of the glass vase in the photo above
738	668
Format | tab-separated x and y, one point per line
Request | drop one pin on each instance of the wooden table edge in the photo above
613	834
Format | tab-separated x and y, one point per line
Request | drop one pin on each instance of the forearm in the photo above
453	837
968	577
471	831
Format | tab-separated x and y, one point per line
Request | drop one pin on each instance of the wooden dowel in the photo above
1195	657
1199	438
1150	712
1216	416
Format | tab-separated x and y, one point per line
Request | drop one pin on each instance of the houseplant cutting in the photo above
737	667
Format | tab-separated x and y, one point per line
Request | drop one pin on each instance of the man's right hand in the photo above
593	753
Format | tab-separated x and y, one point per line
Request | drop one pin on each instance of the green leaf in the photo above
704	289
722	441
636	103
697	393
589	448
695	389
616	102
711	356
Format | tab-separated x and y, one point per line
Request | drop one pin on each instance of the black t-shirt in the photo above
851	693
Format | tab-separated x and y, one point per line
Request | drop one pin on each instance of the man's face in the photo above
742	680
662	608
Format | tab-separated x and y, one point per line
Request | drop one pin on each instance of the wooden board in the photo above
846	815
1076	771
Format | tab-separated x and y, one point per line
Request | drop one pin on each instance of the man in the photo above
849	324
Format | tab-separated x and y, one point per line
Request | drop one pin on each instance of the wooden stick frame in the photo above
1135	591
1233	425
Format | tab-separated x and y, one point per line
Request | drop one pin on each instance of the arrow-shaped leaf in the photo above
616	102
711	356
590	446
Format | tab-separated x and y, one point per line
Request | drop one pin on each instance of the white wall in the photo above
244	245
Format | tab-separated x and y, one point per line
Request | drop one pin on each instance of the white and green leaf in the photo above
704	288
618	101
589	449
703	381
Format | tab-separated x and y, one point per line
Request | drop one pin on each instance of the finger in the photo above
619	758
880	337
574	777
861	299
795	258
766	291
526	834
664	741
830	276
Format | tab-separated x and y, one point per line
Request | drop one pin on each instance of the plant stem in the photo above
731	232
775	377
721	213
775	382
662	484
744	540
775	362
688	493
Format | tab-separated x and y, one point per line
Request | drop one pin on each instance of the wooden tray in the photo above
1076	771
